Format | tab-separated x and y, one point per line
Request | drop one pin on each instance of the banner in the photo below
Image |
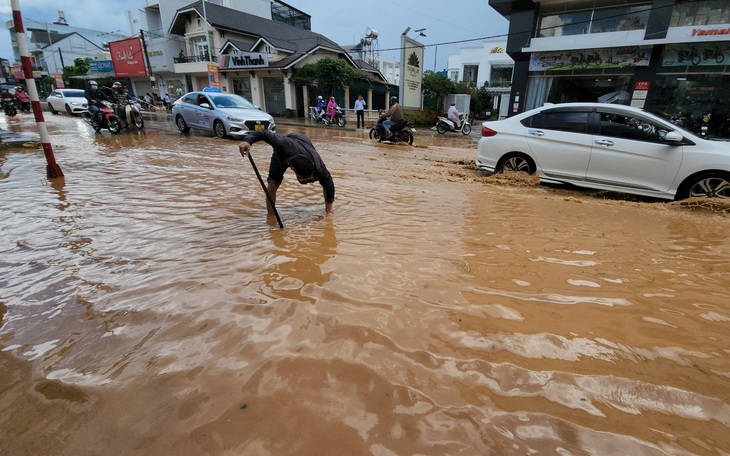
213	76
128	58
411	77
700	54
59	81
590	59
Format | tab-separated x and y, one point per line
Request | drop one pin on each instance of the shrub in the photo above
288	113
425	117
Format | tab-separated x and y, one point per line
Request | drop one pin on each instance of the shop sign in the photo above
634	56
699	54
128	57
101	66
240	60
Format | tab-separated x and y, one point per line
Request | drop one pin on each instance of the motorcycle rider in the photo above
320	105
331	106
95	97
454	115
7	97
22	98
394	117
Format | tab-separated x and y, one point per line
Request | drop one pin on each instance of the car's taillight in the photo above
488	131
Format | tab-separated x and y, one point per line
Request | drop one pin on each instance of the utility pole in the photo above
146	56
207	35
60	54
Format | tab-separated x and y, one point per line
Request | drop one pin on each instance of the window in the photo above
634	128
470	73
501	76
568	121
199	46
598	20
702	12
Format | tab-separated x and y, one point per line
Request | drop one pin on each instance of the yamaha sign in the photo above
243	60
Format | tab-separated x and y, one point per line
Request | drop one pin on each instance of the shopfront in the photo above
677	53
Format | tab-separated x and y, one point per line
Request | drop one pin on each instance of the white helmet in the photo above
319	97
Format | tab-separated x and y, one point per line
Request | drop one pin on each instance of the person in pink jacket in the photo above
331	105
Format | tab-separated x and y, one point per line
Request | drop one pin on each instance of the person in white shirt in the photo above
360	111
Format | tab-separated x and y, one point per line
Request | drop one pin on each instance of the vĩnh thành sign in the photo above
243	60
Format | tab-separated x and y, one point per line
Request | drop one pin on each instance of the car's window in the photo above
232	101
630	127
56	93
203	99
191	98
73	93
569	121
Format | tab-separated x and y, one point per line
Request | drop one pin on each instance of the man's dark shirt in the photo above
286	148
95	94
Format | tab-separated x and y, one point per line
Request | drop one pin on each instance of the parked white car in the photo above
70	100
607	147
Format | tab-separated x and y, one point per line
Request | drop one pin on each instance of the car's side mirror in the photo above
205	105
673	137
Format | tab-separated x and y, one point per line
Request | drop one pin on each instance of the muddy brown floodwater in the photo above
148	307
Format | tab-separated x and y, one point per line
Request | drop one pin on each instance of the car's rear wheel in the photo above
708	185
219	129
517	162
50	107
181	125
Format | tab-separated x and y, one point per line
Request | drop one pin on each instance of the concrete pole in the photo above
53	171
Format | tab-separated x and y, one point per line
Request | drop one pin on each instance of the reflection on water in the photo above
146	291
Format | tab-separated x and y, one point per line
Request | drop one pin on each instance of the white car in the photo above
222	113
607	147
70	100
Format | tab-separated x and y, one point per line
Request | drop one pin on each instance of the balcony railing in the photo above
192	59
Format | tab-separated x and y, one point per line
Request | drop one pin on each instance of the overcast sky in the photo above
344	22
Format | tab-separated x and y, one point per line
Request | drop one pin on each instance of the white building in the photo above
54	45
485	62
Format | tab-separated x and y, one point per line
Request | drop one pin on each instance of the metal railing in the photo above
192	59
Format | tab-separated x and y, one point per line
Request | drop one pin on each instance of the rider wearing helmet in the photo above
394	115
95	97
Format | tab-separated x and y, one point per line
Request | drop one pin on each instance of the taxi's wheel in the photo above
219	129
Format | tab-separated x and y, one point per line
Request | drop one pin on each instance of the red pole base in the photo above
53	171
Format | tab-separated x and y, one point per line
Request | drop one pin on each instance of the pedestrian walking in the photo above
360	111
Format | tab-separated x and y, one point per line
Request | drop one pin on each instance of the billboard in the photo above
411	76
611	58
128	58
213	76
243	60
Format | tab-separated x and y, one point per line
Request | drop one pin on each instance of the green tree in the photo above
328	73
80	68
437	85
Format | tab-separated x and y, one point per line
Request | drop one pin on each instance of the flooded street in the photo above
147	306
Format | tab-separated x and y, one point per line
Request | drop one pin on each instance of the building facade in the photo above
669	57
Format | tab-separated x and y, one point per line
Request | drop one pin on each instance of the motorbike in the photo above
401	133
702	126
445	124
128	114
338	118
107	119
317	114
9	108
